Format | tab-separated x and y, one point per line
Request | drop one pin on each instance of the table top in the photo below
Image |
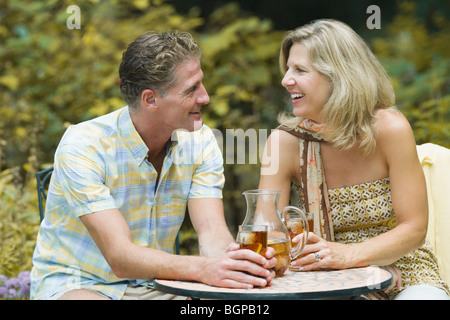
324	284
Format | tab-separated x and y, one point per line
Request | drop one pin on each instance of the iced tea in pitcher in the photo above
262	209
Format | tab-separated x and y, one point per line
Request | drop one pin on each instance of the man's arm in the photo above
209	223
111	234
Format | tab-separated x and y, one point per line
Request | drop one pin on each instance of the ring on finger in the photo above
316	254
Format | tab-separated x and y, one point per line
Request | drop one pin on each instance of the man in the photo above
121	184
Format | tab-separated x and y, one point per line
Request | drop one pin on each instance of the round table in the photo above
324	284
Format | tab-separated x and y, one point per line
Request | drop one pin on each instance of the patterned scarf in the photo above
313	186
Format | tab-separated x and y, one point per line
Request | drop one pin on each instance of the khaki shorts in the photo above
146	293
133	293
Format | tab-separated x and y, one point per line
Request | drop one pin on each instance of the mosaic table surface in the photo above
292	285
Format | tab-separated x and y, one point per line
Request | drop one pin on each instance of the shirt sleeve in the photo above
80	172
208	179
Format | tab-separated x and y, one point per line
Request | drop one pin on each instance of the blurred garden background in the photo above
52	76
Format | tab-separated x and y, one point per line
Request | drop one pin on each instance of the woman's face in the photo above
309	89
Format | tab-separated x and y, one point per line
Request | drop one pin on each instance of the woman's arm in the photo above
280	164
408	191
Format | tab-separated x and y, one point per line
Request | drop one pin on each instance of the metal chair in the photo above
43	179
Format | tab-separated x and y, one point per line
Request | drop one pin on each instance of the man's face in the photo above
181	106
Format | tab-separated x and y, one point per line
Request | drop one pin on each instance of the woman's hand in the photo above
396	277
319	253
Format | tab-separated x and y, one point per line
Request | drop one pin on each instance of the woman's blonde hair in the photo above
360	84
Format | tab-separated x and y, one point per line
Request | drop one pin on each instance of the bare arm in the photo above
209	223
408	192
409	199
280	164
111	233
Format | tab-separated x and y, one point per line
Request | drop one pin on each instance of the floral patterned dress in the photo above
364	211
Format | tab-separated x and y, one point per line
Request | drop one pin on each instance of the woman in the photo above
352	157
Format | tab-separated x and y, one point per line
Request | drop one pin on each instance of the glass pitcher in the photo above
262	208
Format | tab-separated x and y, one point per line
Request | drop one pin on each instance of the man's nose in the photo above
203	97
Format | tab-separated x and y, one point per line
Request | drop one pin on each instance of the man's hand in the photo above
239	269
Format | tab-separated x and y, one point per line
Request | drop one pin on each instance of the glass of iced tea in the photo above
253	237
282	248
295	226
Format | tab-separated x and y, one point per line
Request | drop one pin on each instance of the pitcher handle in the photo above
295	253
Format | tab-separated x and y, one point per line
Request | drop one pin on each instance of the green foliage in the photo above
418	61
19	223
52	76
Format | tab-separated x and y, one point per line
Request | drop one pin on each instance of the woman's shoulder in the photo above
390	123
284	147
393	131
283	137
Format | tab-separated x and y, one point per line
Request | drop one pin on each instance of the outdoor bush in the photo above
417	58
19	223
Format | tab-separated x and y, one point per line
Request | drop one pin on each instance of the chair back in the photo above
435	161
43	179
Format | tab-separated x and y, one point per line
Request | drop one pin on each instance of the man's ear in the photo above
148	99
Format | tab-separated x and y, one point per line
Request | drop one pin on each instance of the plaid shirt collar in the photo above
132	139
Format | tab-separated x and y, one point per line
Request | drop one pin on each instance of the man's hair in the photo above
150	62
360	84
